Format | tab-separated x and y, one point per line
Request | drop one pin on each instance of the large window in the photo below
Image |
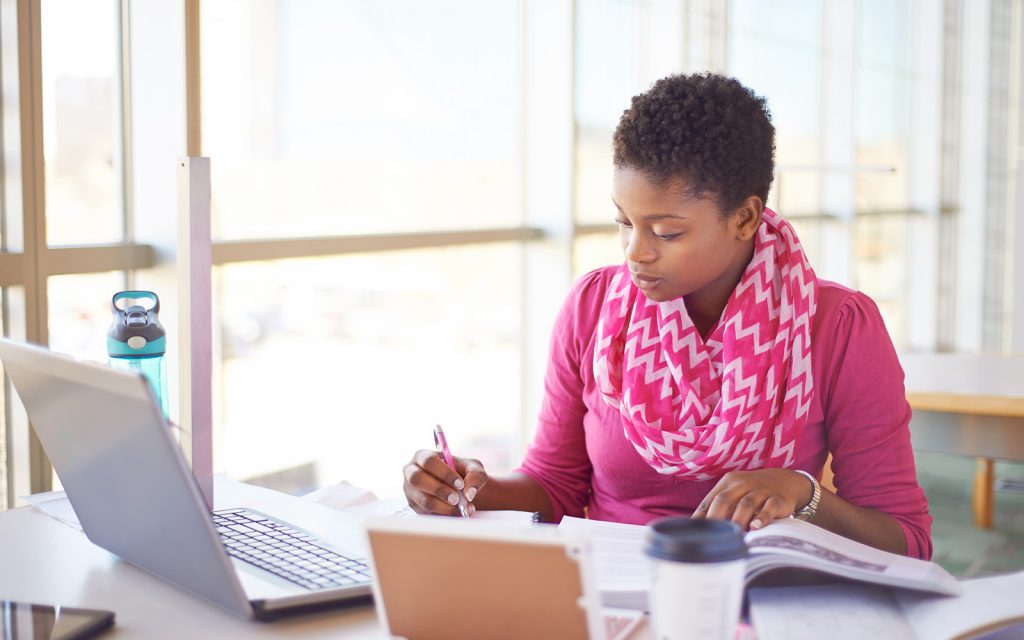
621	48
62	220
337	118
775	49
81	128
337	368
10	236
402	189
608	37
350	118
81	147
882	138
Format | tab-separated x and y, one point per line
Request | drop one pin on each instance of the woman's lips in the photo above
646	282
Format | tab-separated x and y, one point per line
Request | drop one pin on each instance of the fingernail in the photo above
471	509
459	484
756	523
453	499
470	493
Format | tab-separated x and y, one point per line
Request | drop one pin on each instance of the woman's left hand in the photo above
752	499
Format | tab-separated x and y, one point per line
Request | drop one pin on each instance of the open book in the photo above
853	611
624	572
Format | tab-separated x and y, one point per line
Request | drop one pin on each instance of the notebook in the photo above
439	578
135	496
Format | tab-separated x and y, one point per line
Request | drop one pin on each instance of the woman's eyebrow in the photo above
654	216
664	216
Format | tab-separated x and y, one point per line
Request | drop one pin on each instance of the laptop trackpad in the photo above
259	585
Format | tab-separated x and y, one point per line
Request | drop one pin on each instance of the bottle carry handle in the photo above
135	295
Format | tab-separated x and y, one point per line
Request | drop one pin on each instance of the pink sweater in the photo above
581	457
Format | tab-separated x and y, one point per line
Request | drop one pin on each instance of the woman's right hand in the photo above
432	487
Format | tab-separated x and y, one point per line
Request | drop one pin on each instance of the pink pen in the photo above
442	447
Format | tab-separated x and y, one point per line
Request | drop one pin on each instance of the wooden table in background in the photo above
969	405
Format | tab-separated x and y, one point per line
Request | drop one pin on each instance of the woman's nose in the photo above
636	249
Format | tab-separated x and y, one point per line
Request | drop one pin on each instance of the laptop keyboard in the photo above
290	554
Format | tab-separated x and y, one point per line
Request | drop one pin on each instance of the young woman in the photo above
712	372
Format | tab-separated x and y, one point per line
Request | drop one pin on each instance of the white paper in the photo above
618	552
341	496
510	517
391	508
626	624
864	611
985	600
836	612
56	505
399	508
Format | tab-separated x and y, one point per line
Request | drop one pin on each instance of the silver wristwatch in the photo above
808	510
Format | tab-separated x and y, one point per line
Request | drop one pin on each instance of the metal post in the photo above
195	319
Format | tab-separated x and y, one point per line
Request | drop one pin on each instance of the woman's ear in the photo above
747	218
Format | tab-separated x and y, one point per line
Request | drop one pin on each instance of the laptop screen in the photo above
452	578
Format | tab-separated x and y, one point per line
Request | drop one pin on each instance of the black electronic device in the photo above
27	621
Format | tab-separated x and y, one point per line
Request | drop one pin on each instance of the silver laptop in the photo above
136	497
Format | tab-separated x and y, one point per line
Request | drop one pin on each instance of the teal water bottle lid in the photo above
136	331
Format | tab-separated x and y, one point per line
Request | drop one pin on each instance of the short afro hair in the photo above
706	129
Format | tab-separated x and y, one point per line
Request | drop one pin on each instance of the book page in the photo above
511	517
836	612
621	624
623	571
794	543
986	604
399	508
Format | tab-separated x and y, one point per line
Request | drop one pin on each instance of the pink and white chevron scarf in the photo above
698	408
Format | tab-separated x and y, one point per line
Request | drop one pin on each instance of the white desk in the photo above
45	561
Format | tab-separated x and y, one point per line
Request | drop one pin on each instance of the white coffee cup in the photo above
698	578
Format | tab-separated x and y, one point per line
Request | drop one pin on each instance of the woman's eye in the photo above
622	223
668	236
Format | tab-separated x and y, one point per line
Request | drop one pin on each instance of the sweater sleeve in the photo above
557	459
868	422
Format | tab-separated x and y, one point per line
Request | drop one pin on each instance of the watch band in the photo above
808	510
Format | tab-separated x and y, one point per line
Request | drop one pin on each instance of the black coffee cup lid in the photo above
683	539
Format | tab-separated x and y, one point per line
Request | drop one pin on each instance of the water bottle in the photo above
136	340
